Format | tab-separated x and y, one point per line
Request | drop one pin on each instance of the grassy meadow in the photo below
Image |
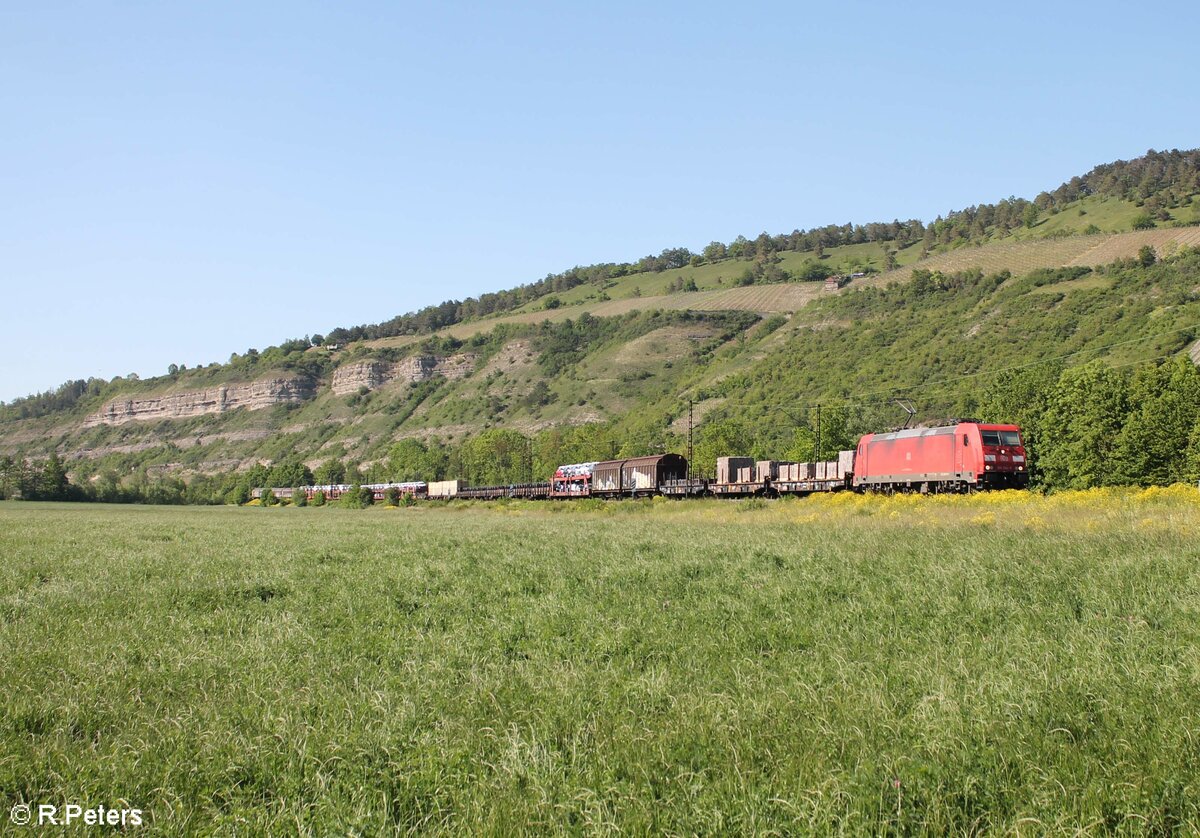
1005	663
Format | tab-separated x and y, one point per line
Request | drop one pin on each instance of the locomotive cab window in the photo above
991	437
1010	437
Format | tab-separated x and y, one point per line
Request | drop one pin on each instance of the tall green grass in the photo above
852	665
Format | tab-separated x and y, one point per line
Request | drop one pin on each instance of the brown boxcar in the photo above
637	476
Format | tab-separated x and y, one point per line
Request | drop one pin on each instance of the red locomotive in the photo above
959	457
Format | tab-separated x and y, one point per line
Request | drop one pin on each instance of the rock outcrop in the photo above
350	378
253	395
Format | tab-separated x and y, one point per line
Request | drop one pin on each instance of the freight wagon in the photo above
573	481
530	491
742	477
637	477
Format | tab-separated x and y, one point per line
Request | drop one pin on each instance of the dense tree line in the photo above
36	480
64	397
1095	425
1157	181
1171	178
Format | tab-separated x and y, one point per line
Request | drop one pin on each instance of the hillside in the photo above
619	356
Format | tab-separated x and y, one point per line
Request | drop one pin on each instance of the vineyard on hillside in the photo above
1017	257
1021	258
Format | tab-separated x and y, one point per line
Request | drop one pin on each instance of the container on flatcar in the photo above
766	470
444	488
728	467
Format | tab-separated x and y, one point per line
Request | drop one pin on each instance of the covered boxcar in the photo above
638	476
960	457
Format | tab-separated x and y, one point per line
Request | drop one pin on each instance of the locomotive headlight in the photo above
988	468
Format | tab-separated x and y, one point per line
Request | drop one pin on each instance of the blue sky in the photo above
183	181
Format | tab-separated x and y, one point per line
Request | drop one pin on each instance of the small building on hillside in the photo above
833	283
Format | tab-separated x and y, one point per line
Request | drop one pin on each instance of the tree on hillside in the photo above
412	459
357	497
52	483
1082	427
289	472
812	271
330	472
496	457
1192	457
9	477
1022	397
721	438
803	448
838	432
575	444
256	475
538	396
1152	447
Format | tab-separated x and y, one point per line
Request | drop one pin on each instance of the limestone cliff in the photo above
253	395
349	378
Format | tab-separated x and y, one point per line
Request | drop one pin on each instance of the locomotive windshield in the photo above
1000	437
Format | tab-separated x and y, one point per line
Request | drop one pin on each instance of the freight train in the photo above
964	456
